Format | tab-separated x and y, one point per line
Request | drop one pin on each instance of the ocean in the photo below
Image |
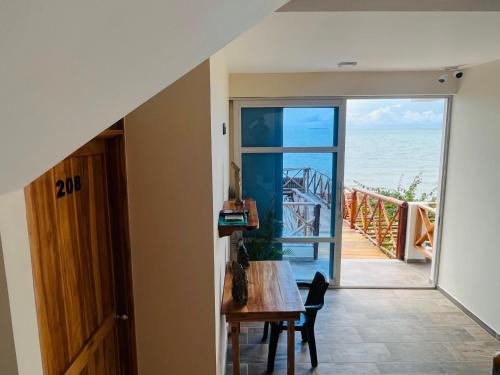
384	156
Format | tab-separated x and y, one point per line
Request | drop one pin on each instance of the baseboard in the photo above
420	261
470	314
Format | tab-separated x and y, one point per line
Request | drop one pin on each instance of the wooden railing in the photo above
424	229
381	219
305	218
308	180
301	216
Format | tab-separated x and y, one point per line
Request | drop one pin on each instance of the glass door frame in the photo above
339	150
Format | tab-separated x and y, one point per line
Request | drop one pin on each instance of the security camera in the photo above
443	78
458	74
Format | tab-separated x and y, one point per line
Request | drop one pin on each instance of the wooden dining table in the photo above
272	296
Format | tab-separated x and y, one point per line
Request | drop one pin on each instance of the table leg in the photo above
291	348
235	339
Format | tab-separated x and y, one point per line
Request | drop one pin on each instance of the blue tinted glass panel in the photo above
262	127
308	202
262	181
310	127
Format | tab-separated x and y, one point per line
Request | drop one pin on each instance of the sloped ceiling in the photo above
289	42
70	69
389	5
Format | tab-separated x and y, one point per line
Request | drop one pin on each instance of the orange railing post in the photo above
386	230
379	207
354	209
403	221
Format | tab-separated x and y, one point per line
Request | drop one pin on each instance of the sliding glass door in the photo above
291	157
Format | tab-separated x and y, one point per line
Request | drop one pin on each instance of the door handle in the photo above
121	317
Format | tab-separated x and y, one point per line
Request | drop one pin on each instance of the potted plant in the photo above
260	244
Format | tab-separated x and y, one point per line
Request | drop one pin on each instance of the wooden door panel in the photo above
102	255
71	274
72	258
89	282
46	271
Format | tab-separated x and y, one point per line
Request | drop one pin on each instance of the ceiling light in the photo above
347	63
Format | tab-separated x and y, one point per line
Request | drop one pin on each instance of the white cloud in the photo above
392	114
410	117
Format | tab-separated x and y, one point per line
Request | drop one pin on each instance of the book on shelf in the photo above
233	219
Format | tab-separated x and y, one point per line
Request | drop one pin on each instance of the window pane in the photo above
307	258
262	127
310	127
307	194
296	189
289	127
262	181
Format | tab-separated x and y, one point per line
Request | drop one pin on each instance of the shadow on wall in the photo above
8	362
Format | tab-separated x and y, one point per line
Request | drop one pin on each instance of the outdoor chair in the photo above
314	303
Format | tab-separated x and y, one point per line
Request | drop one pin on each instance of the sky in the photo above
388	141
373	112
395	112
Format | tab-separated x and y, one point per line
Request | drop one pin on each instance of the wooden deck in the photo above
356	246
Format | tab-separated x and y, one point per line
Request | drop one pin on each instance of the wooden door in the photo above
75	267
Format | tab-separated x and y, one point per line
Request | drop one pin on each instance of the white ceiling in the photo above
70	69
378	41
389	5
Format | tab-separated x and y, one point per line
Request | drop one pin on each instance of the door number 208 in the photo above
68	187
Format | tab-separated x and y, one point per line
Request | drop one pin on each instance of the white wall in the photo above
338	84
411	251
219	96
70	69
169	168
18	274
177	166
8	362
174	146
470	259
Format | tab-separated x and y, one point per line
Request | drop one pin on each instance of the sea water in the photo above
393	155
382	156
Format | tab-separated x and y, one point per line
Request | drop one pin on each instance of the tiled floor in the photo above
369	273
379	331
363	264
384	273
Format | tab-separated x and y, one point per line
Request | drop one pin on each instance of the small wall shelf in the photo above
253	217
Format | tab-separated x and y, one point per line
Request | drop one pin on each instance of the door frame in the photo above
116	179
239	103
443	170
116	188
339	150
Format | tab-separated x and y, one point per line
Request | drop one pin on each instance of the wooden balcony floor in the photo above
356	246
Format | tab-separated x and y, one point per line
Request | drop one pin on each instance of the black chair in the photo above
314	303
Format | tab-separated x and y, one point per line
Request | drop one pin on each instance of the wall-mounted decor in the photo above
237	184
240	284
243	257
